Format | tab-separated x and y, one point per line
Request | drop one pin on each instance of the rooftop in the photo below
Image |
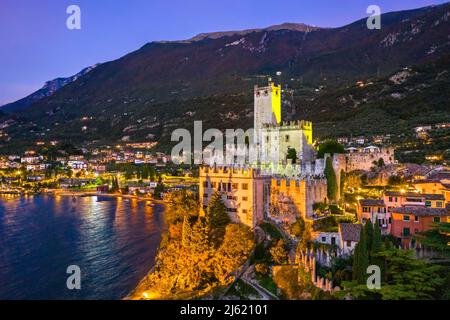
371	202
350	231
422	211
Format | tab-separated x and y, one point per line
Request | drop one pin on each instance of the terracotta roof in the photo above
350	231
422	211
371	202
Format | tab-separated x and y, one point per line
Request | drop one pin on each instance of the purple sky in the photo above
36	46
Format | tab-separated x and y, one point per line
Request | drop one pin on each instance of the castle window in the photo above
205	184
245	186
244	198
235	186
405	218
437	219
267	138
287	138
244	210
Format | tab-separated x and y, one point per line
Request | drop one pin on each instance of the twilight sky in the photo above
36	46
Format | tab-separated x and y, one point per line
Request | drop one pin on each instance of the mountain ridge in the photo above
131	97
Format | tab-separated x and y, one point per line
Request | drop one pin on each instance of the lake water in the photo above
113	242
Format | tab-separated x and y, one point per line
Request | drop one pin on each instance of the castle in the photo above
272	186
275	138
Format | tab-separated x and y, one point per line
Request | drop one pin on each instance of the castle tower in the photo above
267	108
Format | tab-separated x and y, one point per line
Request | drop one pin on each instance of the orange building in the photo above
407	221
434	186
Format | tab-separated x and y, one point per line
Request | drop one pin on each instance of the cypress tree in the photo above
361	260
377	243
331	179
368	234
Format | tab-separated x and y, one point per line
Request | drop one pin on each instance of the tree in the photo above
292	154
437	238
279	253
360	260
331	147
152	173
368	235
343	182
159	189
331	179
216	212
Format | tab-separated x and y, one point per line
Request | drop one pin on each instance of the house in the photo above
349	234
395	199
410	220
375	211
434	186
329	238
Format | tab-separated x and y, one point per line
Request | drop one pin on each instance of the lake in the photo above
114	242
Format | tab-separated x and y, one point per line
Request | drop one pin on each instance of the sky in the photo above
36	45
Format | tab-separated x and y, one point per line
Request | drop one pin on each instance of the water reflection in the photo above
113	242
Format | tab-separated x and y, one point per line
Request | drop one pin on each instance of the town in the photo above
308	202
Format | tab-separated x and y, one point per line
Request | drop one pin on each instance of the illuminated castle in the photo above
274	138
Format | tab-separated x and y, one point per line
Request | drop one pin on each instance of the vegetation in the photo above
332	186
402	275
193	259
438	238
329	147
279	253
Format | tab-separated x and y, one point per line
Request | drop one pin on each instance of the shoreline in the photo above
141	286
78	194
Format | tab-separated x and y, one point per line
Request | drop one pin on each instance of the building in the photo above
374	210
267	106
395	199
277	140
292	198
244	191
274	138
410	220
434	186
349	234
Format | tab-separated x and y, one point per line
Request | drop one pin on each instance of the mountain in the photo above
166	85
49	88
